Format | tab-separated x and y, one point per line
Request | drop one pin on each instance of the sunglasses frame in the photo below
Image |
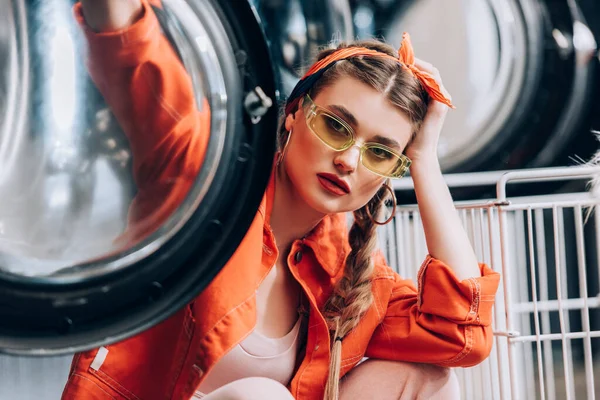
312	110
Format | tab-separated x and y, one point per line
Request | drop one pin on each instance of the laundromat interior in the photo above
517	154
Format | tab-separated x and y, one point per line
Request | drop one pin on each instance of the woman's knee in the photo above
436	382
402	380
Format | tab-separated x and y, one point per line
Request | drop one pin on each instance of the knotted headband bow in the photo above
406	58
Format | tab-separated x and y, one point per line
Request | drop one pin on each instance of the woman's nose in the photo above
347	160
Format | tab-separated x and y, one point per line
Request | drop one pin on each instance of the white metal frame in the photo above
539	245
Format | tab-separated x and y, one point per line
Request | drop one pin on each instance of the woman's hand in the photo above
426	141
111	15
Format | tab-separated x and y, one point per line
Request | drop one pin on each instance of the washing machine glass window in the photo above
479	48
68	161
521	73
131	164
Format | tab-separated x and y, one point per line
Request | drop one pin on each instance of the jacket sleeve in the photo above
149	91
445	322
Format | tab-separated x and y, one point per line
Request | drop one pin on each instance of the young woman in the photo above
303	300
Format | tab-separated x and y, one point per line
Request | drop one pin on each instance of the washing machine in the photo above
66	165
523	75
65	285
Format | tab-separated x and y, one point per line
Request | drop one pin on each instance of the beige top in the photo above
255	356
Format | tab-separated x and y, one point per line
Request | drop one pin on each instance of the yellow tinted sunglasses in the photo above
336	134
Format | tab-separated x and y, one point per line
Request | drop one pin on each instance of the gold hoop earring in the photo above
387	221
285	145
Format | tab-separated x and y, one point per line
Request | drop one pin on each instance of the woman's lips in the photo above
333	184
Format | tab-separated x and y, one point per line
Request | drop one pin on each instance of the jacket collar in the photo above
328	240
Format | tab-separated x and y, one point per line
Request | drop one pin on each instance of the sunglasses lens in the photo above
384	162
331	131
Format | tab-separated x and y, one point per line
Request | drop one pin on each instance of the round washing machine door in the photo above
101	234
521	74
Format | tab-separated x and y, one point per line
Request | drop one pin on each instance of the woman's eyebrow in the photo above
345	114
391	143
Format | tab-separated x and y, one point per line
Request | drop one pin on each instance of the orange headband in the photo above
406	58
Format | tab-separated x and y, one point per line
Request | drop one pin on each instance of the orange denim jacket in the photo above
444	322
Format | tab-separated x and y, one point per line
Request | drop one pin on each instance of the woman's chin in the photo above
325	205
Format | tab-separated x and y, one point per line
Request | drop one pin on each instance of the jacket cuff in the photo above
126	47
467	302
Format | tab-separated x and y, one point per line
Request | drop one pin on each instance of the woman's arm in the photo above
111	15
445	321
152	96
446	239
146	86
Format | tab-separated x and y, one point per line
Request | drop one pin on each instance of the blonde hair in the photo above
351	297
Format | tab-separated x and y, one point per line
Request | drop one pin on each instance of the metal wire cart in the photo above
547	313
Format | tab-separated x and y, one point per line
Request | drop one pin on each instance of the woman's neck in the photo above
291	218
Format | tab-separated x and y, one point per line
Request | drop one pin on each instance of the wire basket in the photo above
547	313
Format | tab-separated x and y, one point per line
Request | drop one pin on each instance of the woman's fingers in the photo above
434	72
111	15
427	67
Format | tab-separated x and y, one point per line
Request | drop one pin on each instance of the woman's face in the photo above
332	181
